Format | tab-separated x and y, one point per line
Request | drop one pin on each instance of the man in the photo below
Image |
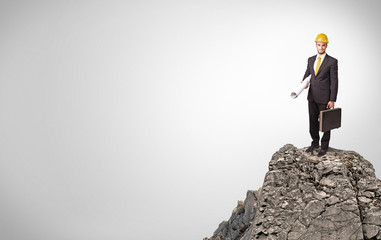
323	91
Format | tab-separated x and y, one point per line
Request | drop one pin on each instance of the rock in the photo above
241	219
364	199
336	196
370	230
327	182
332	200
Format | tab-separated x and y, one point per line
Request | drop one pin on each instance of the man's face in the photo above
320	46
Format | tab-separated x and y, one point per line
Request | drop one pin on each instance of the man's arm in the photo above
334	81
334	84
306	74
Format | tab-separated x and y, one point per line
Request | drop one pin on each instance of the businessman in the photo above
322	91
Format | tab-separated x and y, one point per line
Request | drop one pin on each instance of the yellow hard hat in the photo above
322	38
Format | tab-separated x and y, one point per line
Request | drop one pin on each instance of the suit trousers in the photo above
314	113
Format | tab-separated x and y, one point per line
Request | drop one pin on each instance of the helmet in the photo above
322	38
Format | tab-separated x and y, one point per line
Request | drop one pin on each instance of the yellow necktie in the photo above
318	65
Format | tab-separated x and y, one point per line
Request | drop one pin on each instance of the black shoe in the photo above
311	148
322	152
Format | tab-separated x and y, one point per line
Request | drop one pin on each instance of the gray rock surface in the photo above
240	220
303	196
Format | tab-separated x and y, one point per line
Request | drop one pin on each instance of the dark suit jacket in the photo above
323	86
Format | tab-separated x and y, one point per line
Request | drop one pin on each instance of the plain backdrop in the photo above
150	119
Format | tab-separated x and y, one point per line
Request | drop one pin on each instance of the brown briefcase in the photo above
330	119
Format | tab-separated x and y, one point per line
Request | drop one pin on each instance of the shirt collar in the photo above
322	56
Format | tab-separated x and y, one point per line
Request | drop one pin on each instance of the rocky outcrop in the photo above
240	220
303	196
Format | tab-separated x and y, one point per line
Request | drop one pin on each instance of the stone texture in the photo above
336	196
240	220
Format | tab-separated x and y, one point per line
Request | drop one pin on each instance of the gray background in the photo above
150	119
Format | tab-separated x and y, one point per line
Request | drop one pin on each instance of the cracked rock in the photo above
305	197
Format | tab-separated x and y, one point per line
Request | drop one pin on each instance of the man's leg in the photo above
314	112
327	135
325	140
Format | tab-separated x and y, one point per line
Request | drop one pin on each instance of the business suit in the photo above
323	88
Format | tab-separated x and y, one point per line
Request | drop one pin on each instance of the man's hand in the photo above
330	104
307	84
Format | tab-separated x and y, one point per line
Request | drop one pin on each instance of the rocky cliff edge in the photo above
303	196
